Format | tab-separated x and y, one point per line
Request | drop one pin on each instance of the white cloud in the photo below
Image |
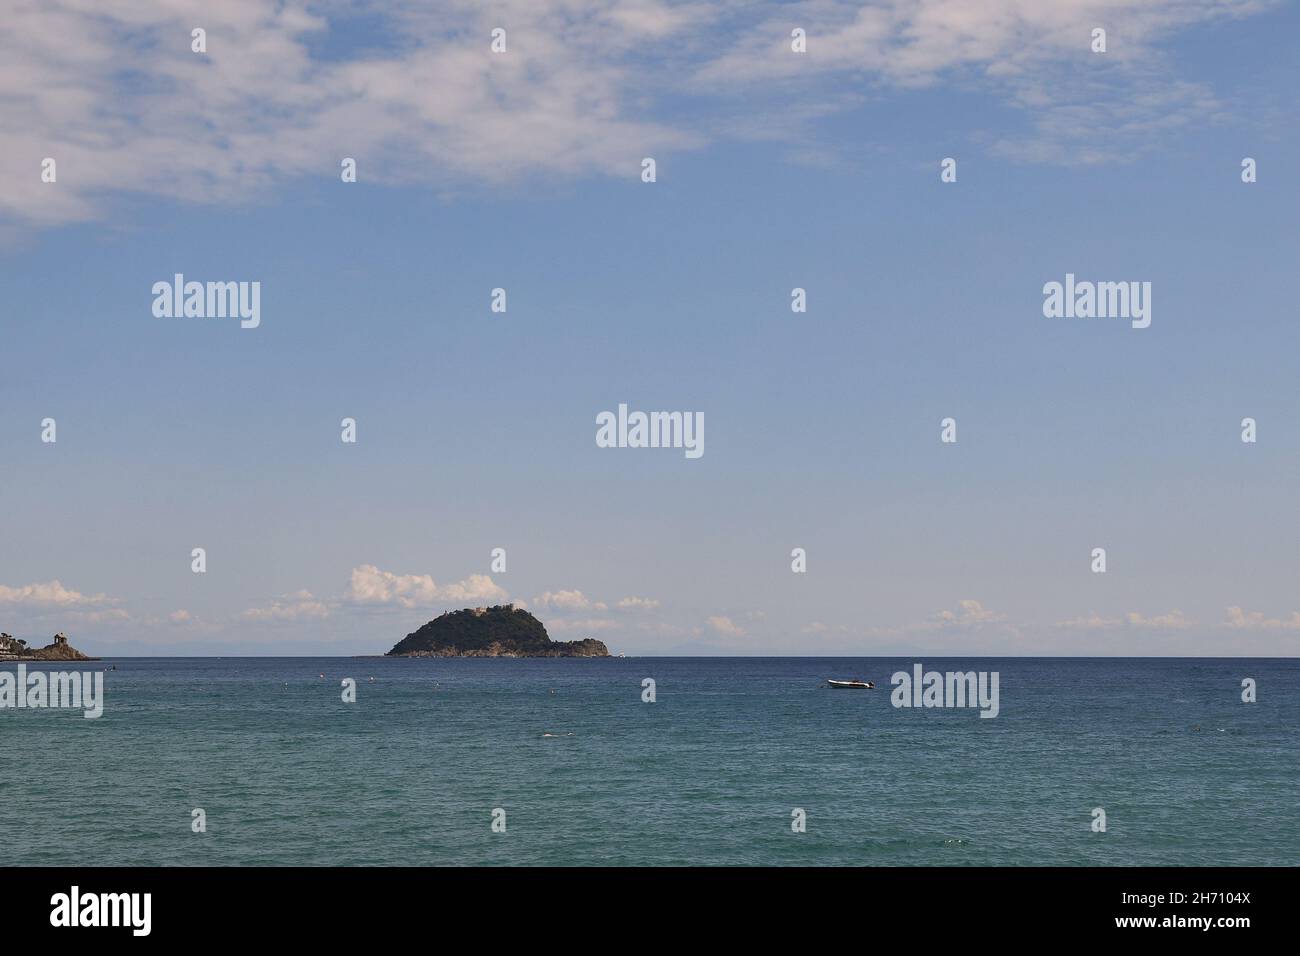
1174	620
370	585
258	107
115	95
969	613
292	607
1080	107
637	604
913	42
567	601
51	594
723	625
1239	620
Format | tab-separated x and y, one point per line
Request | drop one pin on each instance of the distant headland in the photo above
501	631
12	649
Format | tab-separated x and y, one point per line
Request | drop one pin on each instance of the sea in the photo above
734	761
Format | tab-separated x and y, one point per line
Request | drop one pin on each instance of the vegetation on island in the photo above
500	631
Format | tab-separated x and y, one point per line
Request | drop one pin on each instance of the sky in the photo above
774	170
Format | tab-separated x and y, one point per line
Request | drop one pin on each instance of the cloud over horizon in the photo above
370	585
51	594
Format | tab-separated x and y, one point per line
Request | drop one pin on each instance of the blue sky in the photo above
775	170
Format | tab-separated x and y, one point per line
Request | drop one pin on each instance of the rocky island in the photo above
501	631
17	650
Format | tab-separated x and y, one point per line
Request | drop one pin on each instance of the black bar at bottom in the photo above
214	905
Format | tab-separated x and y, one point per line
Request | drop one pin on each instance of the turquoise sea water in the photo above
708	774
